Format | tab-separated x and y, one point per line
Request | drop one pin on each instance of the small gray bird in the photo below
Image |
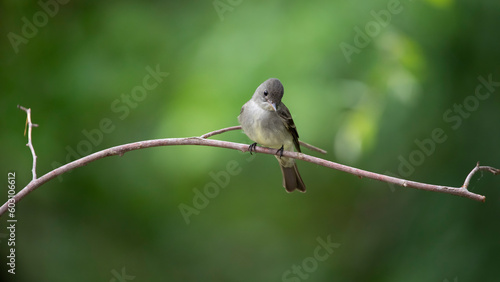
267	121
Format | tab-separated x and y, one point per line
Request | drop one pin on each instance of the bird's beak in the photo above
273	105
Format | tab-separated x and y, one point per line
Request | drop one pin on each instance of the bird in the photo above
268	122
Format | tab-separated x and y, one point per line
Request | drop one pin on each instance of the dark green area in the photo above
416	64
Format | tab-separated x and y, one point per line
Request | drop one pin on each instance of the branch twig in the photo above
202	141
308	146
313	148
30	125
477	168
210	134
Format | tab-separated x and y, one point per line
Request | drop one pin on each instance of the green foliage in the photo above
414	66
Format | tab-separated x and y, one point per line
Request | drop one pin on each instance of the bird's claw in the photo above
252	147
280	150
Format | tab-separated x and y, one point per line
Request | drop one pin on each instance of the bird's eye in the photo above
265	92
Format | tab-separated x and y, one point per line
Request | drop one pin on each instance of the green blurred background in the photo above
119	218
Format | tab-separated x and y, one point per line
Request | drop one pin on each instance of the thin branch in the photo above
238	127
122	149
476	169
313	148
210	134
30	125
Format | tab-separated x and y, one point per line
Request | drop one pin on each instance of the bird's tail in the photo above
292	179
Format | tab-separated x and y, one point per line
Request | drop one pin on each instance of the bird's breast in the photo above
264	127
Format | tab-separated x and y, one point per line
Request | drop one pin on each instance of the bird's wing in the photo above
287	120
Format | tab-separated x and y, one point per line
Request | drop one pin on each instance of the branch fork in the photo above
477	168
29	125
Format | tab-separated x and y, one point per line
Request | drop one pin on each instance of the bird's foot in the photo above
252	147
280	151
